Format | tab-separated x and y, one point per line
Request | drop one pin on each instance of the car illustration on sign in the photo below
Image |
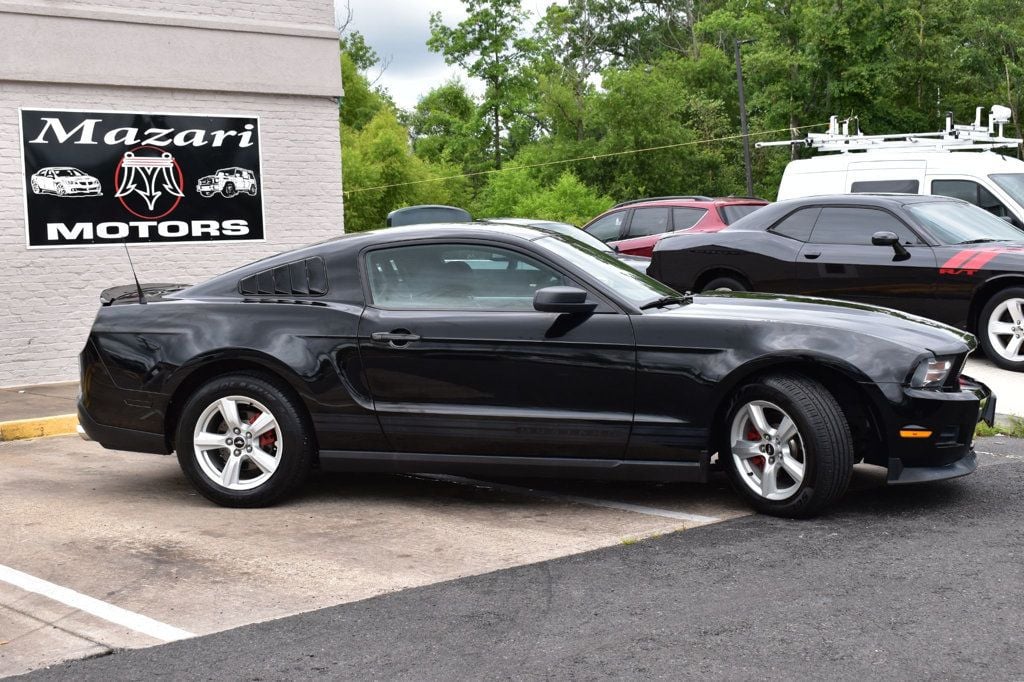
511	350
228	182
65	181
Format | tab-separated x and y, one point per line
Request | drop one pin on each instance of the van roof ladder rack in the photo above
953	138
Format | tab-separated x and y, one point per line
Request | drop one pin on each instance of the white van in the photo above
958	162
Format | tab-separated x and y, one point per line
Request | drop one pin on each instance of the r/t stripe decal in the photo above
968	262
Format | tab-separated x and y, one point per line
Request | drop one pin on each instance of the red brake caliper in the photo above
267	439
754	436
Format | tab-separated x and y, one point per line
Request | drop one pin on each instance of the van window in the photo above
798	225
896	186
972	193
855	226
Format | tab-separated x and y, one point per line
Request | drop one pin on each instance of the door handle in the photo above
396	338
811	255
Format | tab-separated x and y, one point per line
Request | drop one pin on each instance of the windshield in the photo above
734	212
1012	184
623	280
68	173
957	222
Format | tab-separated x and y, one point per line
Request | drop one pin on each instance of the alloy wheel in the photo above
767	450
1006	329
237	443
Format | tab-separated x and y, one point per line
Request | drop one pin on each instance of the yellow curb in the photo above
61	425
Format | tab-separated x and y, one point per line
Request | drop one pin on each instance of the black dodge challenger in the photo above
938	257
514	351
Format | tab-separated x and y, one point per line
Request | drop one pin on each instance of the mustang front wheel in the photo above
243	441
1002	329
787	446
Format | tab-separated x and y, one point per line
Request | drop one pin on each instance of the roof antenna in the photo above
138	287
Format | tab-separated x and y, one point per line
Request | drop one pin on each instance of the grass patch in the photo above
1014	428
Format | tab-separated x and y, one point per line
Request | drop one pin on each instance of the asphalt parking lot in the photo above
127	530
896	583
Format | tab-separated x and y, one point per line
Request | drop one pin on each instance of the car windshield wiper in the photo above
983	240
667	300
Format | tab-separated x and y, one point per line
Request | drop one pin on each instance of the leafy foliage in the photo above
596	78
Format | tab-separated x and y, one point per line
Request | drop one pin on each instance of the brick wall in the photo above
319	12
48	298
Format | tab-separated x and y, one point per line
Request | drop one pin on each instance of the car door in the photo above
46	182
646	226
458	362
839	261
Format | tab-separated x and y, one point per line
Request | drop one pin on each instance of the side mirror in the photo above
886	238
562	300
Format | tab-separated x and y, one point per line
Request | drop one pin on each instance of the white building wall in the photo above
48	298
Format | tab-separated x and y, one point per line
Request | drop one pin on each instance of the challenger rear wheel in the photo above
724	284
1001	329
786	446
243	441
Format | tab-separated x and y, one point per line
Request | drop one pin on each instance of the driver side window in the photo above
456	277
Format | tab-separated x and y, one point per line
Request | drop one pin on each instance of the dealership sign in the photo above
96	177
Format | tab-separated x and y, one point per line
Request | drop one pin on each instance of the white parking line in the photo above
95	607
559	497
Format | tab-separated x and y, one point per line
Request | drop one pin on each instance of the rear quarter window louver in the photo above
301	278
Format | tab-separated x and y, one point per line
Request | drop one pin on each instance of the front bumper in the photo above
83	191
950	418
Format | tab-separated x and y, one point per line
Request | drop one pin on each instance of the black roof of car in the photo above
763	218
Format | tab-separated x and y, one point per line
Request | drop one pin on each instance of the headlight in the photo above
931	373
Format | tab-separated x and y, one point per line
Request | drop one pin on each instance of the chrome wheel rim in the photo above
1006	329
237	443
767	450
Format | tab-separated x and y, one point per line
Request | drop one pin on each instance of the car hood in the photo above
840	317
968	258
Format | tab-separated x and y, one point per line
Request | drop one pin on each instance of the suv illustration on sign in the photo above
65	181
229	182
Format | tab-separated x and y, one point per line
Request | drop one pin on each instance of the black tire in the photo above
229	190
824	432
252	191
296	434
724	284
986	319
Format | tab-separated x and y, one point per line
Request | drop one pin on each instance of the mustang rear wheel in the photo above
787	446
243	441
1002	329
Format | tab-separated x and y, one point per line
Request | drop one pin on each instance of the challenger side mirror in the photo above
886	238
562	300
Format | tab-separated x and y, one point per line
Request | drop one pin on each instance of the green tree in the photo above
489	46
447	128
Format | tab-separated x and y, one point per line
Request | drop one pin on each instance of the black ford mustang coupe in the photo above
938	257
514	351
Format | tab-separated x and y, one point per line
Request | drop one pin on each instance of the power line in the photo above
592	157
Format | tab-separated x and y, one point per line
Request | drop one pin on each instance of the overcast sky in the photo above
399	29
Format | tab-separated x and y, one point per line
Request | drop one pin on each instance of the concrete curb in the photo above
60	425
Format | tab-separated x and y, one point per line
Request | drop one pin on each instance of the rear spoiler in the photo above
128	293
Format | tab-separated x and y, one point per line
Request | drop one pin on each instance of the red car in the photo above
633	227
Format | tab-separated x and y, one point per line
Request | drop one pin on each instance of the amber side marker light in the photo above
915	433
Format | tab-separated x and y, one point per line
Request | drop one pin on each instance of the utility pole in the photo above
743	119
